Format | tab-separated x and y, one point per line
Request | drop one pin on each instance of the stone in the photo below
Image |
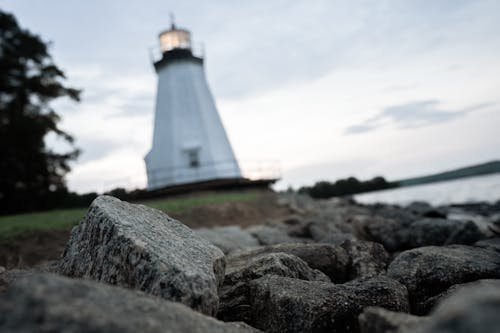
328	233
426	306
281	304
473	309
267	235
426	210
51	303
392	234
234	294
428	271
492	244
375	319
403	216
228	239
138	247
367	259
329	259
436	231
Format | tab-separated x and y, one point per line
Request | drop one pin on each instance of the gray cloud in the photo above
412	115
94	149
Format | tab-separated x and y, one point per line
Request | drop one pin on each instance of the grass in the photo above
14	226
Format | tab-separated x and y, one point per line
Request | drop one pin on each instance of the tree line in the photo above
345	187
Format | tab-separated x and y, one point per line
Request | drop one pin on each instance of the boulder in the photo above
472	309
437	231
281	304
228	239
374	319
426	210
234	303
428	271
492	244
426	306
138	247
367	259
51	303
331	260
3	280
267	235
328	233
403	216
392	234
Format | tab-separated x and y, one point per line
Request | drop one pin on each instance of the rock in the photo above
426	306
426	210
234	303
228	239
392	234
138	247
328	233
403	216
367	259
492	244
50	303
267	235
442	232
471	309
428	271
280	304
379	320
3	280
331	260
295	226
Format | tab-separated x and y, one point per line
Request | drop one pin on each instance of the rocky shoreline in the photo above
331	266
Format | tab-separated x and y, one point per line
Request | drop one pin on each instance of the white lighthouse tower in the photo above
190	144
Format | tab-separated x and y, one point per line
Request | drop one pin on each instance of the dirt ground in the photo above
37	249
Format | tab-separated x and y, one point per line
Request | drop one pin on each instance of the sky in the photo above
325	89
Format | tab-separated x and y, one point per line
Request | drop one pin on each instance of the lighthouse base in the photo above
215	184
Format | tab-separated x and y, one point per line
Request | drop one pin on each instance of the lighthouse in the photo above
189	144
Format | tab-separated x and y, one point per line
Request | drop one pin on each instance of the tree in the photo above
31	174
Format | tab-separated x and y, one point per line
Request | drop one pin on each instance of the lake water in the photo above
481	188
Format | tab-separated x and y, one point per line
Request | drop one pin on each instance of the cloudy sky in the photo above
327	88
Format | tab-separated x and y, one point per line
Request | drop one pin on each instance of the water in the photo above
480	188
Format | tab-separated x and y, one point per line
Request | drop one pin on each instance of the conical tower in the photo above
190	144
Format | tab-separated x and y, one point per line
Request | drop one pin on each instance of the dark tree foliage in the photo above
343	187
31	174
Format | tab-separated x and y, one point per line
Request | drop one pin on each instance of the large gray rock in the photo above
280	304
50	303
492	244
331	260
328	233
437	231
228	239
472	309
391	233
374	319
138	247
234	295
428	271
267	235
367	259
426	306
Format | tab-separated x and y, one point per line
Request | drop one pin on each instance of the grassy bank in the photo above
13	226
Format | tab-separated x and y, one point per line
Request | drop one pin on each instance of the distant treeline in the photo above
343	187
475	170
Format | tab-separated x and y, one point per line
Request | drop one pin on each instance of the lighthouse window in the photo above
193	158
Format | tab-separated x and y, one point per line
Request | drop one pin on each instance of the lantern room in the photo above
175	39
